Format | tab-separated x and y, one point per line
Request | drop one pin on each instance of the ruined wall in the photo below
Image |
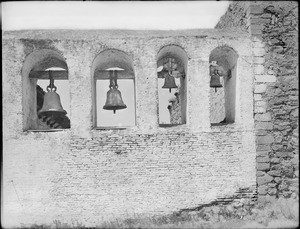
89	175
235	17
273	26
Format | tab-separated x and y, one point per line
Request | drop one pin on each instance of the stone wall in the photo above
91	175
273	27
236	16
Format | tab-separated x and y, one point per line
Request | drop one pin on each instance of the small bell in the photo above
114	99
169	82
215	81
215	77
52	105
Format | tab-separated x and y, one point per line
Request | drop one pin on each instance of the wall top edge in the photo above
96	34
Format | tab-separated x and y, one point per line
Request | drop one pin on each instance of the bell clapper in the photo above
215	89
114	111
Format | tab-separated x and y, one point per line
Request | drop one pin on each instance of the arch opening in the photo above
35	74
172	70
107	64
223	64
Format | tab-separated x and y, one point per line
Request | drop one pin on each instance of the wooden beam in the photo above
176	74
104	75
57	75
63	75
99	75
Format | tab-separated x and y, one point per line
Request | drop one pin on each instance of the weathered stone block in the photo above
266	15
260	88
258	52
265	139
257	44
277	147
262	190
262	147
260	173
261	104
264	179
259	110
278	137
263	117
264	125
275	160
282	154
265	78
257	97
272	185
261	132
272	191
295	112
274	173
259	69
256	9
258	60
266	198
262	166
262	153
277	179
262	159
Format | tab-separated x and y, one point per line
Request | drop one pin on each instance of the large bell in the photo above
114	100
169	82
215	81
52	105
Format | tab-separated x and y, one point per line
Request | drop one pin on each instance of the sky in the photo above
20	15
156	15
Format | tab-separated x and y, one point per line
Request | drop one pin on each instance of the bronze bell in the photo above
52	105
169	82
215	81
114	100
215	72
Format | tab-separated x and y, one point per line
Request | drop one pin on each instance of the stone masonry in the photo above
89	175
273	26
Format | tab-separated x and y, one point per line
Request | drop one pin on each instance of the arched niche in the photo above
122	64
222	100
172	107
33	70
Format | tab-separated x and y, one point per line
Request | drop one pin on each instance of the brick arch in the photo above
225	57
175	51
42	59
112	58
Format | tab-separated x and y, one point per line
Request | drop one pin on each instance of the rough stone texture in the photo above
273	28
90	175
